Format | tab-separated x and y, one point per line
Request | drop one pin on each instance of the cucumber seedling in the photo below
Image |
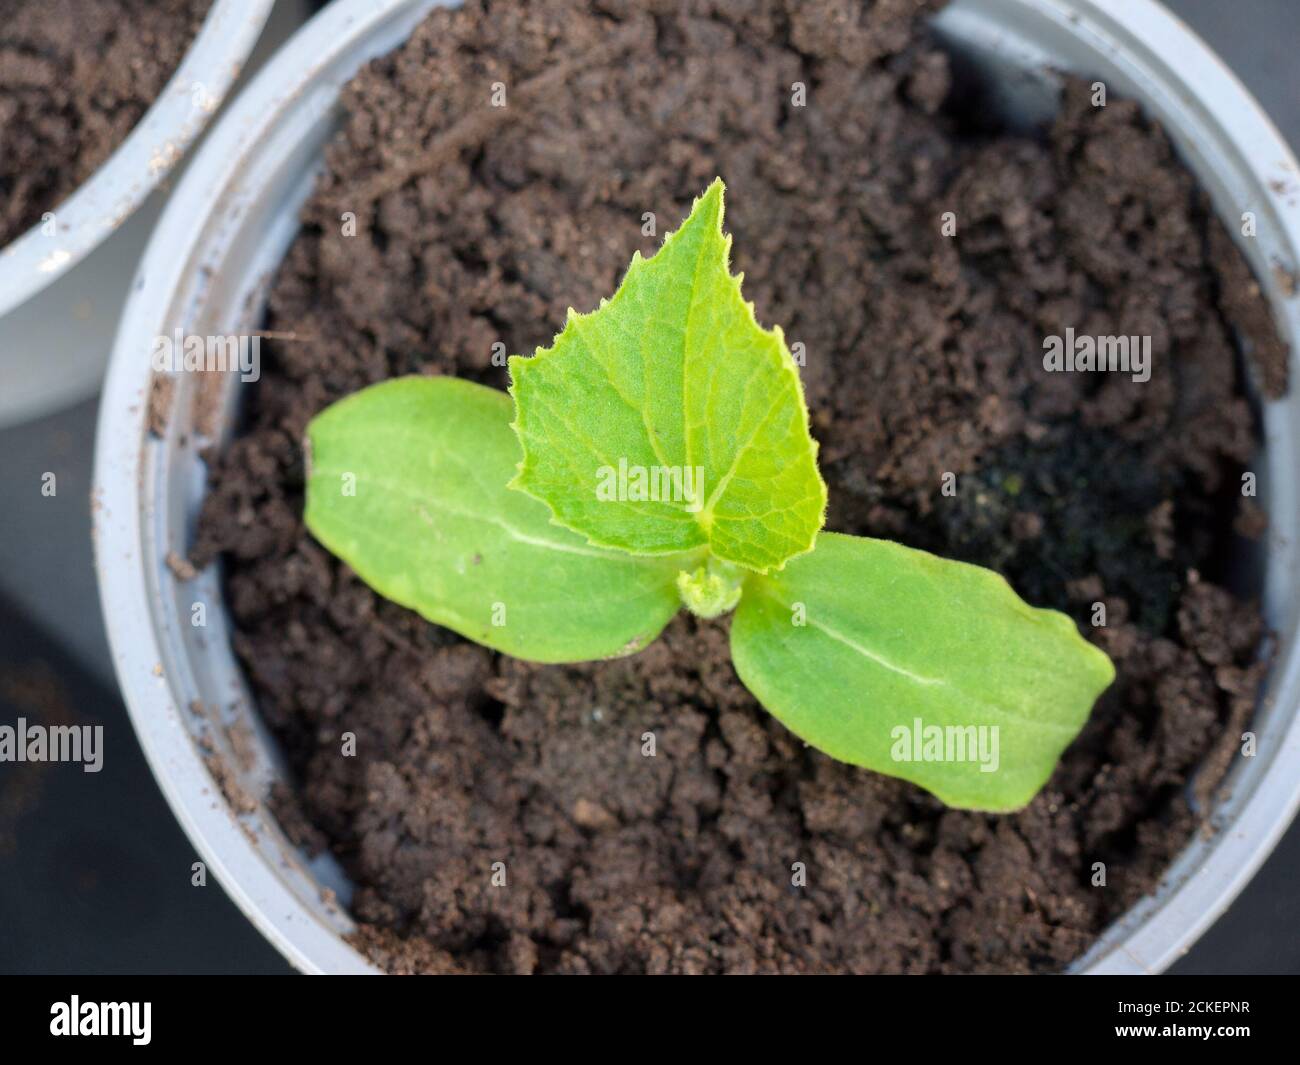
657	455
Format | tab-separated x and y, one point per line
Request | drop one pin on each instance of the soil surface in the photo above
923	356
75	78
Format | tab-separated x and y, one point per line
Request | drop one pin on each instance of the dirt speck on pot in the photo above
923	357
228	781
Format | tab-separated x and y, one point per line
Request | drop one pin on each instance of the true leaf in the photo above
673	378
407	484
854	644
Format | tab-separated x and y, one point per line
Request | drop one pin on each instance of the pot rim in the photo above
1147	939
100	204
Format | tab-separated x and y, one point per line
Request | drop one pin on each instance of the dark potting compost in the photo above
923	356
75	78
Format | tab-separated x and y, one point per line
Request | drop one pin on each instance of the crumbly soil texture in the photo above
75	78
923	356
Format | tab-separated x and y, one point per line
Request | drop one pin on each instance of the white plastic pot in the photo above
58	297
228	226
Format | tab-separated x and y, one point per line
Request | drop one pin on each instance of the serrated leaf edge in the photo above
572	317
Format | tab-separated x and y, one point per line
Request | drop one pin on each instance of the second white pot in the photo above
60	290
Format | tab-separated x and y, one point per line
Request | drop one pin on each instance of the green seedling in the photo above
658	455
